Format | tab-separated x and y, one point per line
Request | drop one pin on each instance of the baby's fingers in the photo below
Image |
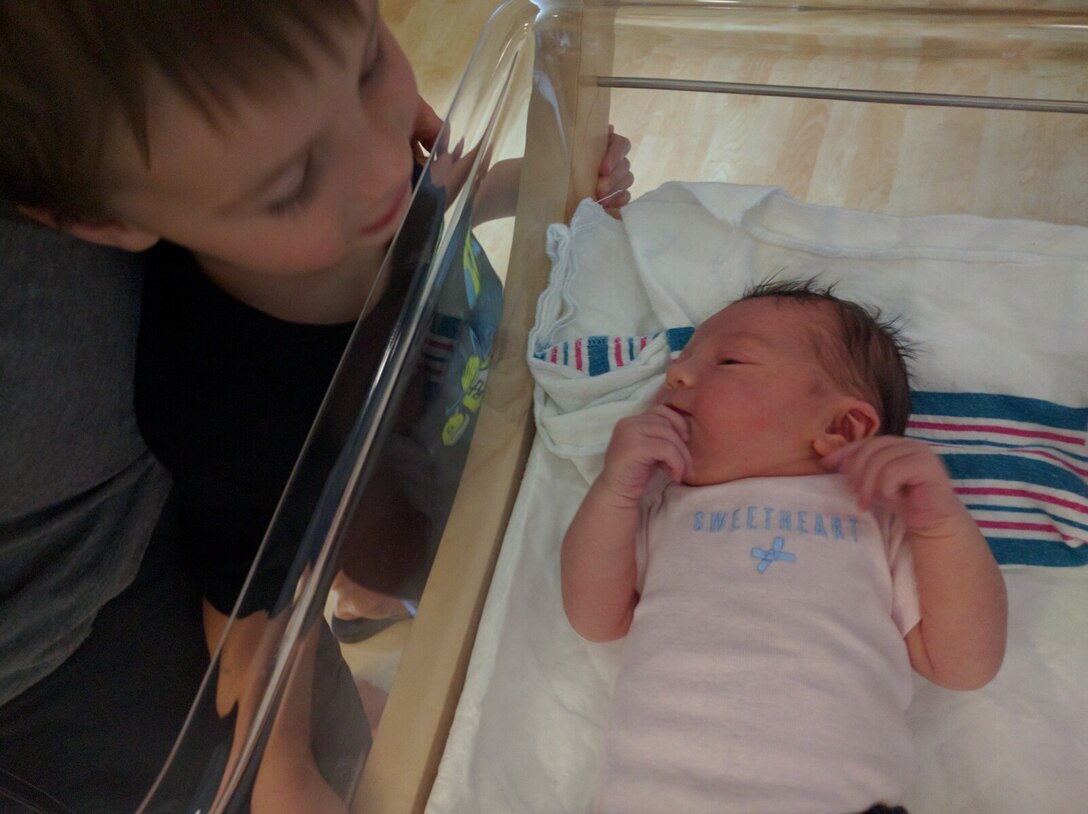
666	441
638	449
674	419
883	476
874	469
676	460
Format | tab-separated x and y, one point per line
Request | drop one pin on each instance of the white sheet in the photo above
991	295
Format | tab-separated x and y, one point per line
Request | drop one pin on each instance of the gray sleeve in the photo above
79	492
69	317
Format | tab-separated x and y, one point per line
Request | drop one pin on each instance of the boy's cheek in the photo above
293	253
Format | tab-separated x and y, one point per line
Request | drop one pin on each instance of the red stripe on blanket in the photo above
1042	453
618	351
1010	526
433	341
1060	459
1050	436
1057	501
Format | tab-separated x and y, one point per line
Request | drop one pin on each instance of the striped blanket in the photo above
1021	467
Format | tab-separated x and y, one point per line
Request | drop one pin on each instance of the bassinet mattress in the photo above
998	309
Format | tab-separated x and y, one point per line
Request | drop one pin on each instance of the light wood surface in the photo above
890	158
438	36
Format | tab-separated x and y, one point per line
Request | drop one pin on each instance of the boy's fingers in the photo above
610	187
427	125
615	153
618	146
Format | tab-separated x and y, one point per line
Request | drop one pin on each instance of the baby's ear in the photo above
106	232
854	420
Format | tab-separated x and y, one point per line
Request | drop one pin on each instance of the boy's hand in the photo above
449	168
425	130
614	175
640	445
902	474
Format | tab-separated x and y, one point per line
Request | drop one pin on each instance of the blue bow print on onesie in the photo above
766	557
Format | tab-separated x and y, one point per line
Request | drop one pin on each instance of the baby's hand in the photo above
902	474
614	175
640	445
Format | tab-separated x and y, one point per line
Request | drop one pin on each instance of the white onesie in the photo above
765	671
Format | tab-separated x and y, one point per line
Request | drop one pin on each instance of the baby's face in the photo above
753	392
301	180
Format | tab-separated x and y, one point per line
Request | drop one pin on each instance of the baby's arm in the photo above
598	559
960	641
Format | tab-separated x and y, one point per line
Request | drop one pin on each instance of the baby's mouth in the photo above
678	410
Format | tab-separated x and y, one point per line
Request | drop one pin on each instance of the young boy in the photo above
777	584
271	146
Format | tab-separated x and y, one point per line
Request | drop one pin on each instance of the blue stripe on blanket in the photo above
1012	468
1018	463
1011	408
967	443
678	338
597	354
1012	551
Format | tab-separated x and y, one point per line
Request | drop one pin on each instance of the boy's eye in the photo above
728	360
373	65
297	199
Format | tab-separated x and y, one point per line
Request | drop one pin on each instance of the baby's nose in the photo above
680	374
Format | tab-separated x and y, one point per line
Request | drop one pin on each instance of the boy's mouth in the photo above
387	218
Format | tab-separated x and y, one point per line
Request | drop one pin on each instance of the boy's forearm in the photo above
961	636
497	196
598	567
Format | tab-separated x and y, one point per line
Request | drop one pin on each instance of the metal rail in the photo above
889	97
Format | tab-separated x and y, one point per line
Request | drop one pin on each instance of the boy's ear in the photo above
854	420
106	232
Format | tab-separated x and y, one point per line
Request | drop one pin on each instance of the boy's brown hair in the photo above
71	71
867	357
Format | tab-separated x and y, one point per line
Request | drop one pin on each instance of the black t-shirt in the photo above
225	395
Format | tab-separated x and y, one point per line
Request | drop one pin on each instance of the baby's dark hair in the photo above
70	70
868	357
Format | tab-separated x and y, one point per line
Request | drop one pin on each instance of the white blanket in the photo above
997	309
